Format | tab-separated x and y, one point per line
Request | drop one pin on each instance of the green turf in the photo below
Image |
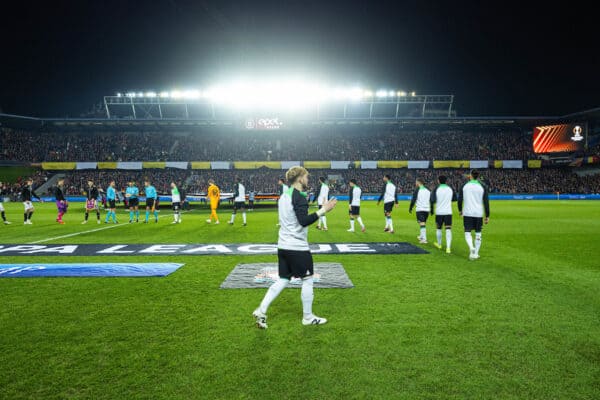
521	322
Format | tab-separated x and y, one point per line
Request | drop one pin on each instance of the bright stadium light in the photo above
367	93
391	93
381	93
165	94
130	94
402	93
413	94
150	94
118	94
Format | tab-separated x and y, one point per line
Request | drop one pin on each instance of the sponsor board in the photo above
262	275
199	249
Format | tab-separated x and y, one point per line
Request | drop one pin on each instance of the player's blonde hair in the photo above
294	173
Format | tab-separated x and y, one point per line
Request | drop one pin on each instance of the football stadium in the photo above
425	253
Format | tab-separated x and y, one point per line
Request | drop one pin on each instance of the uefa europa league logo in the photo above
577	136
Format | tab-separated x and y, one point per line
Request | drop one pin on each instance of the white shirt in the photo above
473	200
443	200
241	196
292	235
323	194
390	193
421	198
175	196
356	192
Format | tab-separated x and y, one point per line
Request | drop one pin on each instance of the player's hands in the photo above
329	204
486	220
410	211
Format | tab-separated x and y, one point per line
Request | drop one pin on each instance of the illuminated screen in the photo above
558	138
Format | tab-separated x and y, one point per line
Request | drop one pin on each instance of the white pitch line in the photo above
91	230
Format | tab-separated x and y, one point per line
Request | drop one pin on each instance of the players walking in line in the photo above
132	194
354	206
111	199
473	201
27	194
91	202
151	201
441	203
322	197
2	212
175	203
388	195
239	201
61	201
295	258
421	197
214	196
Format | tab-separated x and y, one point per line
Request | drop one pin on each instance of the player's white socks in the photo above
423	233
352	224
307	296
272	294
469	240
359	219
391	225
448	238
387	222
324	222
244	217
438	236
232	218
477	242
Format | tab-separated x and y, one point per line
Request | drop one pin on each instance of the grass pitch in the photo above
521	322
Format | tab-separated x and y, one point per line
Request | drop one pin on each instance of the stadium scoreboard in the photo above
562	138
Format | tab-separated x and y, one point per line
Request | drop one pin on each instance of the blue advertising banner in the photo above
87	269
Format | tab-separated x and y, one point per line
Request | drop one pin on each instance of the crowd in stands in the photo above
349	144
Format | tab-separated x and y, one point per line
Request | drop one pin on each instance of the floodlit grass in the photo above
521	322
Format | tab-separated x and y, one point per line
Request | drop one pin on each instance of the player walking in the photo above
214	196
175	203
2	212
421	197
61	201
239	201
27	195
388	195
441	202
295	258
473	201
354	205
322	197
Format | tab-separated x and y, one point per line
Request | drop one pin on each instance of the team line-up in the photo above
472	198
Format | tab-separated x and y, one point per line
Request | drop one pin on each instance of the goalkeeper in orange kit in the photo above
214	195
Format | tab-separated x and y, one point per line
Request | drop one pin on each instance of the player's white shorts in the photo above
1	208
28	205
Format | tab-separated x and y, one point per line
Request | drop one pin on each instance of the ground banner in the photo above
317	164
368	164
86	165
451	164
340	164
129	165
262	275
59	166
87	269
154	164
392	164
512	164
177	164
418	164
200	164
107	165
289	164
479	164
534	163
200	249
220	165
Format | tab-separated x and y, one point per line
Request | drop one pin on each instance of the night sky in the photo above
59	58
